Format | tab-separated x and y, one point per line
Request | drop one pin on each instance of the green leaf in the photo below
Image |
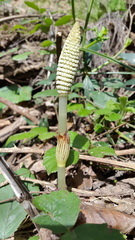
129	57
101	98
11	212
48	21
63	20
8	52
50	162
34	238
78	141
98	128
32	5
17	26
46	43
42	10
74	107
93	232
60	209
20	136
88	87
46	93
15	94
44	82
73	95
101	151
25	172
21	56
113	117
27	135
47	135
82	112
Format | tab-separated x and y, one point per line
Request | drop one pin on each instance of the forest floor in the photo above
106	184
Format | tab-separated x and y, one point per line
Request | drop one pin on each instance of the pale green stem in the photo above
62	128
61	178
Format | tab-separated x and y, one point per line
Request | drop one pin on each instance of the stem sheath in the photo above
62	115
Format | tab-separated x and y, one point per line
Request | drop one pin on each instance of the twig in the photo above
108	162
5	19
19	110
21	150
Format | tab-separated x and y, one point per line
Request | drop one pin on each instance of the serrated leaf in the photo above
78	141
50	163
46	93
93	232
21	56
32	5
11	213
60	214
101	151
63	20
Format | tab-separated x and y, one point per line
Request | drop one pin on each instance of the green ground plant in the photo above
101	107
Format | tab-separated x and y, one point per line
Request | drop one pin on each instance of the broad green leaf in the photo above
20	136
50	162
46	93
32	5
74	107
61	209
26	135
93	232
101	151
101	98
129	57
46	43
48	21
76	86
15	94
46	135
104	111
21	56
113	117
82	112
11	212
88	87
78	141
100	143
73	95
63	20
43	52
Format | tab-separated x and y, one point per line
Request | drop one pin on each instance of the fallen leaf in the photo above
99	215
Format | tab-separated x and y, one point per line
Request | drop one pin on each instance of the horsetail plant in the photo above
67	66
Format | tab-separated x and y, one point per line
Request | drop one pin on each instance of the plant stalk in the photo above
61	178
62	125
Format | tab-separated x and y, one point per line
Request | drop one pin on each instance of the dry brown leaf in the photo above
99	215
